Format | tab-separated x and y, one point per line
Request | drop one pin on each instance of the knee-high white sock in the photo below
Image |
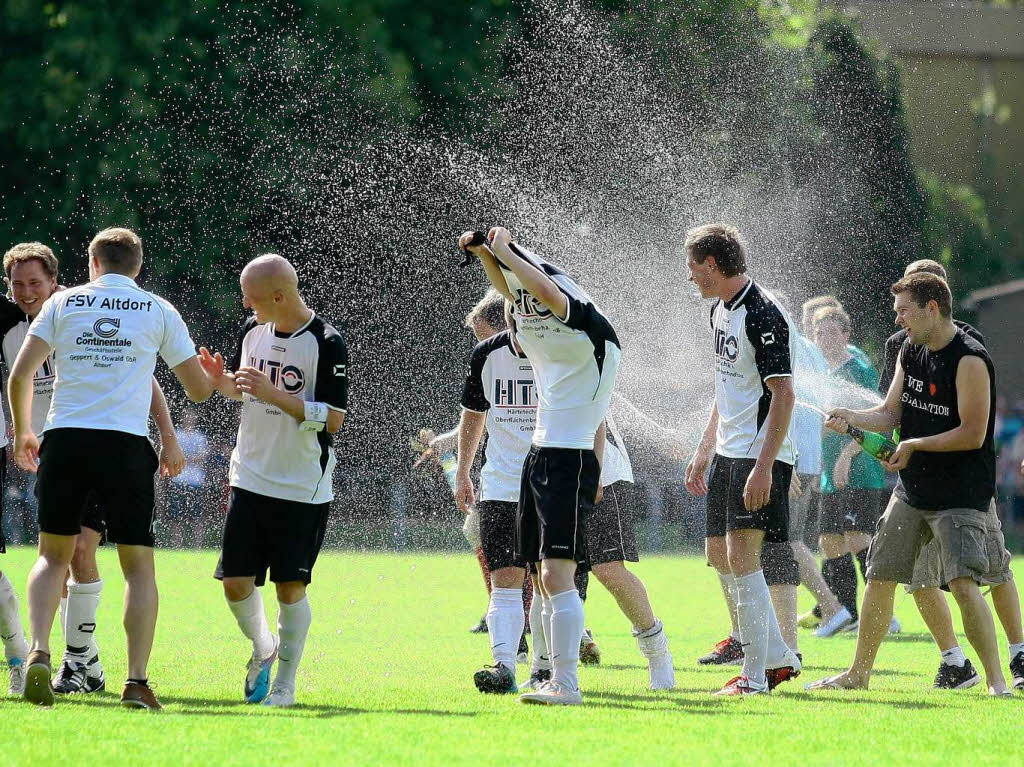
505	623
728	581
752	606
538	626
80	621
253	622
776	648
293	626
566	628
15	645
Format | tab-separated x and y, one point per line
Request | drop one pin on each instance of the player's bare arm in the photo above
488	261
471	430
194	380
599	442
172	457
32	355
251	381
697	468
881	418
222	379
540	286
758	487
972	391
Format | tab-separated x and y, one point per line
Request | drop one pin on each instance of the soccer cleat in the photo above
835	624
590	653
537	678
496	679
75	678
480	628
951	677
280	697
1017	671
16	671
740	685
852	628
553	694
136	695
809	620
894	625
523	653
728	652
786	669
257	675
37	679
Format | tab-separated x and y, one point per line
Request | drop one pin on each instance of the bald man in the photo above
290	373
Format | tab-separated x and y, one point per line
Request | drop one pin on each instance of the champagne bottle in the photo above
874	444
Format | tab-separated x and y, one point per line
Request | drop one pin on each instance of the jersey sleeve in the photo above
473	397
332	373
768	333
235	361
44	326
177	345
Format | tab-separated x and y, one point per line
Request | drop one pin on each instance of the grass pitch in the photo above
387	678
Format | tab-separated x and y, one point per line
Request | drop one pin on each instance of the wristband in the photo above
316	416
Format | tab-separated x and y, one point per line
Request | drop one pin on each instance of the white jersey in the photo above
272	457
501	383
106	336
11	339
753	338
575	358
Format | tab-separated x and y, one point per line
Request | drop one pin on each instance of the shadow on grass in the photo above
708	705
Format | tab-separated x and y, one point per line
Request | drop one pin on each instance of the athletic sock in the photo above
753	602
566	628
292	626
653	642
505	623
581	580
728	581
15	645
862	559
840	575
484	568
253	622
63	616
954	656
776	648
1015	649
80	622
539	659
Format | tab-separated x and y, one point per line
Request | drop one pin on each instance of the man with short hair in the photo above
290	371
942	399
105	337
748	437
808	310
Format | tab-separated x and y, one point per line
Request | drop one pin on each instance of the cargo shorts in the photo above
960	535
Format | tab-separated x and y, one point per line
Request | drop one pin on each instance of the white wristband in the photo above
316	416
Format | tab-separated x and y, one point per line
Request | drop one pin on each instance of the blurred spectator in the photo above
185	517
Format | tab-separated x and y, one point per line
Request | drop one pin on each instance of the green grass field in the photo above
387	677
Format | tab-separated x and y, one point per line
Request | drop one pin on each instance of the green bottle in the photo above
876	445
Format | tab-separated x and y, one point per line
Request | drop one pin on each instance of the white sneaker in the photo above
282	697
894	625
663	676
16	668
553	694
835	624
537	680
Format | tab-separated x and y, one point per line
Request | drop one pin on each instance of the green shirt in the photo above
865	471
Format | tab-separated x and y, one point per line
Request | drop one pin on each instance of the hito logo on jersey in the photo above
515	393
726	346
528	306
287	377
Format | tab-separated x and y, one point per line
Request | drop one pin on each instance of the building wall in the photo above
1001	321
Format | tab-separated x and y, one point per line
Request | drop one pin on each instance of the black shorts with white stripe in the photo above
556	498
610	534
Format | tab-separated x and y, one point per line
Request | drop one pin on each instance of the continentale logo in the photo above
106	327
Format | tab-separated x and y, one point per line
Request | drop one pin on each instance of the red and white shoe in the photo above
741	686
787	668
728	652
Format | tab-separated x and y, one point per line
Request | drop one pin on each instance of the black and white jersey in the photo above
501	383
574	358
14	325
272	456
754	339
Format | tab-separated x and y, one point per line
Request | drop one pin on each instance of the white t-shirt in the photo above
501	383
105	337
575	359
272	457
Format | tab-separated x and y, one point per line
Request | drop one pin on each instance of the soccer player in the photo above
575	356
500	396
748	438
955	670
942	399
290	371
104	337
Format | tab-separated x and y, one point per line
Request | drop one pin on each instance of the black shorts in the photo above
725	500
556	497
498	533
852	510
610	534
262	532
112	468
94	517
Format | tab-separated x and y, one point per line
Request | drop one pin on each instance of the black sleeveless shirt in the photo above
964	479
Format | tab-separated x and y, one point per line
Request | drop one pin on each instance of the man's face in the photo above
702	275
830	337
31	285
260	299
916	320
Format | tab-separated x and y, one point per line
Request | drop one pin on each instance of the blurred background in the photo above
358	139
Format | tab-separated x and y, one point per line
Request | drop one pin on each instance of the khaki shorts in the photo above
928	569
903	530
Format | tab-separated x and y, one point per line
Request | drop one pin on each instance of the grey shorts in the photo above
960	535
800	507
928	566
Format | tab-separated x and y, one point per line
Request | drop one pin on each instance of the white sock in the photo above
566	629
954	656
777	647
253	622
547	611
728	581
752	607
80	621
652	642
15	645
539	658
293	626
1015	649
505	623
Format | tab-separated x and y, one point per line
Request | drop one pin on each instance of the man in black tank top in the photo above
942	399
